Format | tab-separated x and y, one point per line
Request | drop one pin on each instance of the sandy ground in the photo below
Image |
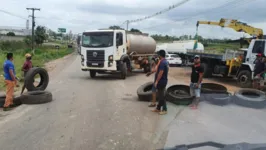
183	73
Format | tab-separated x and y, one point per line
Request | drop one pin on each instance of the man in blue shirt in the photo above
161	79
10	81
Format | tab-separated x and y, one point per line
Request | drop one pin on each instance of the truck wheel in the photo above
124	70
207	71
244	79
147	68
93	74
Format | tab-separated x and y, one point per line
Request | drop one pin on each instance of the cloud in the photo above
80	15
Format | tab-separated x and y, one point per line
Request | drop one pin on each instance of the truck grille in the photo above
95	58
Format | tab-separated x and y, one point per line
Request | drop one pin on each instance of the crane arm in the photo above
236	25
208	22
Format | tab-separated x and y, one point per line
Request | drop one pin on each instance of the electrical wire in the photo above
12	14
160	12
202	13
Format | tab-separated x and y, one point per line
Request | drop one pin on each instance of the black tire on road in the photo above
207	71
16	100
36	97
213	88
220	99
92	73
244	79
250	98
29	79
144	92
124	70
179	94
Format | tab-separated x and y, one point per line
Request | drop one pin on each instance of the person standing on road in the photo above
154	69
161	79
10	81
196	80
27	64
259	69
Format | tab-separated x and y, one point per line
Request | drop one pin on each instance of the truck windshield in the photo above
97	39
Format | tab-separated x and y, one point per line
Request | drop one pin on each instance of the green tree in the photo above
135	30
27	40
40	35
115	27
10	34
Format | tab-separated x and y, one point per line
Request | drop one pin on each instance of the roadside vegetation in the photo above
44	52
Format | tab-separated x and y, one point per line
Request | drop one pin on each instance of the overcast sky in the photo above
80	15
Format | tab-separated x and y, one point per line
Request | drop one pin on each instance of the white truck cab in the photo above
113	51
245	73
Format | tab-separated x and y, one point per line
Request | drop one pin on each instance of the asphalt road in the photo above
89	114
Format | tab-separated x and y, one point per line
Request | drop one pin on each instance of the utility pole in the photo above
33	25
127	24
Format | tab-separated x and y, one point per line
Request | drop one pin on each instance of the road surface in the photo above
89	114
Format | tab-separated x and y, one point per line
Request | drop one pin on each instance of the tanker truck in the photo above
116	52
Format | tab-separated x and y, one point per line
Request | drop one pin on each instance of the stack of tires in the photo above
36	94
215	94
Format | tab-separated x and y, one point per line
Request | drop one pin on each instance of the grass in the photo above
221	47
42	55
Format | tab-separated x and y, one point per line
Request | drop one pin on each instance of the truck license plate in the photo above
94	64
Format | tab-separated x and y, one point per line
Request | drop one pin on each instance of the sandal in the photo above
152	105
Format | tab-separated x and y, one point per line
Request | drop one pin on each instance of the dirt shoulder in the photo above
183	74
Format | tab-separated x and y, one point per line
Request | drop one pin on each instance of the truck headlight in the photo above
82	58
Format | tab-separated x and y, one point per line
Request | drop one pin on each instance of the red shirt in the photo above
27	65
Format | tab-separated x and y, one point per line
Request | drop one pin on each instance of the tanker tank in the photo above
140	43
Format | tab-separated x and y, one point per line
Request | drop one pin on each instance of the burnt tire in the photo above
208	88
92	74
16	100
244	79
123	70
36	97
220	99
179	95
29	79
250	98
144	92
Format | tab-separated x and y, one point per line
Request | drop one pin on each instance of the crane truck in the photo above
116	51
237	64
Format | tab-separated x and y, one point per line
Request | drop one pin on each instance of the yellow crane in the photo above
237	26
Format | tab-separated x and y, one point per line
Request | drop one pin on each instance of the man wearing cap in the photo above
259	69
27	64
196	79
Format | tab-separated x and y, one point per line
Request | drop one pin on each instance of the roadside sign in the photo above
62	30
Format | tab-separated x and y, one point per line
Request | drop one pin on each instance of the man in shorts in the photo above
155	63
259	70
196	79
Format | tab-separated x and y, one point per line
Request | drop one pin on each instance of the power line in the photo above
202	13
156	14
12	14
160	12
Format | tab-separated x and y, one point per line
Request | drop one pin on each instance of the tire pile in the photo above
212	93
34	94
